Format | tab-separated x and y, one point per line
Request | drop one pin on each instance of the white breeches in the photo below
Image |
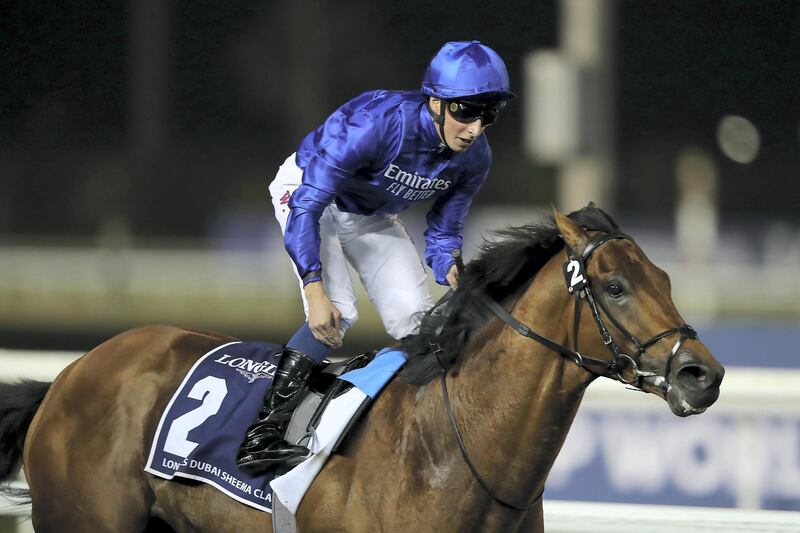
380	251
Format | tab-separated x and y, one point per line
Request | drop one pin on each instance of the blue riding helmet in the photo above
466	69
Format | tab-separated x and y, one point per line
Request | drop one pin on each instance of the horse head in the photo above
636	324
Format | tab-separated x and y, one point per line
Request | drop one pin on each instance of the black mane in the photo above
502	270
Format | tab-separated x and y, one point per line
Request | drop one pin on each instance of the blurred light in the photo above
696	173
696	228
552	114
696	209
738	139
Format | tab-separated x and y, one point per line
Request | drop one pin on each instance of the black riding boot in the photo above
264	443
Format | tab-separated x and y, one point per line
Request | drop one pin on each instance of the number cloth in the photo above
202	427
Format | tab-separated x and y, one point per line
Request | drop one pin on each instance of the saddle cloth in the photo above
205	421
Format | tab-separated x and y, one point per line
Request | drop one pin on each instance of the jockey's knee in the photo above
401	312
400	325
403	326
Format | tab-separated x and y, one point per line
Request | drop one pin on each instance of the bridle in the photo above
579	285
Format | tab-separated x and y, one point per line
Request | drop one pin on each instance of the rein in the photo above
462	447
579	285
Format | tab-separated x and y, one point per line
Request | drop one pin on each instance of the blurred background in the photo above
137	139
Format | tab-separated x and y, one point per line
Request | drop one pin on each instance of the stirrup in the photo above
264	443
252	463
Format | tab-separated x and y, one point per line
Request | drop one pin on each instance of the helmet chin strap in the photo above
438	119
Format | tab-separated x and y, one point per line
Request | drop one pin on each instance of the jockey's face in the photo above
457	135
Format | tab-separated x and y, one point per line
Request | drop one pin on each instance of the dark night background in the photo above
247	79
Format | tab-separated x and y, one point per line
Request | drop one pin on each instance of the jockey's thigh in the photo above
335	274
381	251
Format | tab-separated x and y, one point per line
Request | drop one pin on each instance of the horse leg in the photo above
80	476
193	506
88	444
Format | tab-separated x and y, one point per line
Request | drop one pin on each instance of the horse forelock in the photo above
502	269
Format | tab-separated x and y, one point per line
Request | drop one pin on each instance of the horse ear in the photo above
574	235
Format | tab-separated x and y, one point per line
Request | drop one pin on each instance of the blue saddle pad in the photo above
204	424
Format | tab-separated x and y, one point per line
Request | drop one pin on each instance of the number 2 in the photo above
211	391
575	268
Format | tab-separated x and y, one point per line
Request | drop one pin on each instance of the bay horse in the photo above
463	441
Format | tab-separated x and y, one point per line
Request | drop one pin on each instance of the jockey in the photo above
337	200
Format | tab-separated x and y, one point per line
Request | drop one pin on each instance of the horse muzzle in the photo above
693	385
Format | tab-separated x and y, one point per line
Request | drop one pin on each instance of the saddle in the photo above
322	388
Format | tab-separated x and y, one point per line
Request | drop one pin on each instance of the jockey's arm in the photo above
324	318
445	224
323	177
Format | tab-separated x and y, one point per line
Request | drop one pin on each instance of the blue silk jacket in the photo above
378	154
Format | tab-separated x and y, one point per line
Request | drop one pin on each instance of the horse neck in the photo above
513	398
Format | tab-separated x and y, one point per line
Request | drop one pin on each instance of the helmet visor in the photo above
468	111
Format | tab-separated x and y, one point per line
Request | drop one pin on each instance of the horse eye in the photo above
615	289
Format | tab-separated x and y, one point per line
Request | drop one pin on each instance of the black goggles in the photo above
468	112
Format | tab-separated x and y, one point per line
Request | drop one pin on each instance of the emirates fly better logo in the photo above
413	186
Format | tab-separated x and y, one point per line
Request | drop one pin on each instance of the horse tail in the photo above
18	403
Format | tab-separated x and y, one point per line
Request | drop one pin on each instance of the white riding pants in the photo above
380	251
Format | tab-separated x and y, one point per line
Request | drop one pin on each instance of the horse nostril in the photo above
698	373
693	376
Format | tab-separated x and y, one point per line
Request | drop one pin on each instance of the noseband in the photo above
579	285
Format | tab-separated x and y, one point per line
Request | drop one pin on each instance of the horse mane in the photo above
502	269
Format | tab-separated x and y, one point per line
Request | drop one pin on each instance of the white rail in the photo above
569	517
8	507
30	364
